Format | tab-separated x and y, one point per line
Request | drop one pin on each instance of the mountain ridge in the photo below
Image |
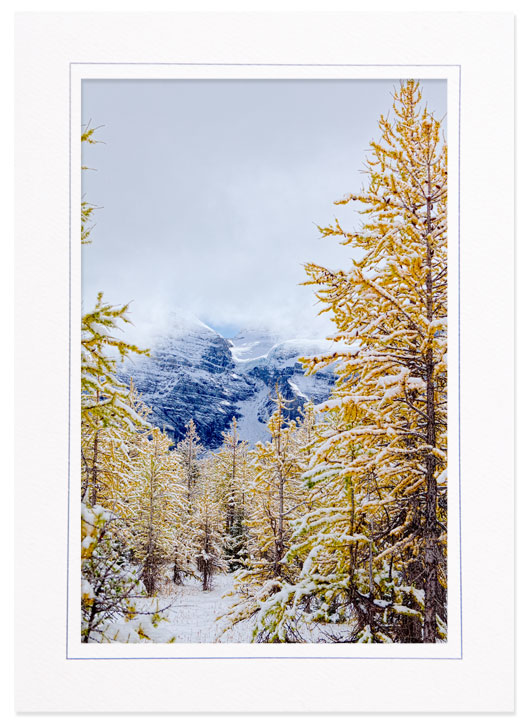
196	373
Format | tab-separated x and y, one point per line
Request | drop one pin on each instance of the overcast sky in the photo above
210	193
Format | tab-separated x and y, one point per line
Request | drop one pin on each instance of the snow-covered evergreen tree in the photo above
348	590
207	531
277	497
190	450
108	409
155	506
230	471
184	555
110	419
382	458
111	583
86	209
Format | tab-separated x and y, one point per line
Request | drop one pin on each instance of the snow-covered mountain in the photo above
252	344
195	373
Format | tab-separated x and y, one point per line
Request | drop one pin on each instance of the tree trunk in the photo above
279	544
94	476
150	564
430	530
230	512
177	575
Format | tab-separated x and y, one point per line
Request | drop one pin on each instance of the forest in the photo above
335	529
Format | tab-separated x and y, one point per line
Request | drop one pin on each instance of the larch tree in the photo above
110	418
390	309
208	530
86	209
277	492
230	470
343	593
111	584
277	496
155	505
306	433
107	406
107	410
190	451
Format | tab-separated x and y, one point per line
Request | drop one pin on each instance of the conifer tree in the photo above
155	507
306	434
184	555
346	591
189	450
110	418
388	452
278	491
106	402
230	471
277	497
207	532
111	584
86	209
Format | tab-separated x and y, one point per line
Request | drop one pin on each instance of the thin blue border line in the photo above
293	65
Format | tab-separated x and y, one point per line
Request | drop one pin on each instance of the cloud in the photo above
211	192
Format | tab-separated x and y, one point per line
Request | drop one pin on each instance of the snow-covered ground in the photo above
188	614
191	613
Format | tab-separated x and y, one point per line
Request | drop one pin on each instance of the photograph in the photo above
263	361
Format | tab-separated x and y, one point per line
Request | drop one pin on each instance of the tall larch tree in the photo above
190	449
208	529
230	470
391	310
155	506
87	210
108	409
190	452
277	497
110	419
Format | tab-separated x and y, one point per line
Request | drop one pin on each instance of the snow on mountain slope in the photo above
195	373
252	344
252	415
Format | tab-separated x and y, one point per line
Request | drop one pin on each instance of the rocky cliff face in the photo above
195	373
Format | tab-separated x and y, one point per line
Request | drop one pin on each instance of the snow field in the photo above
191	613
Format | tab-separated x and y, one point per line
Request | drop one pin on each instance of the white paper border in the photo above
46	47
